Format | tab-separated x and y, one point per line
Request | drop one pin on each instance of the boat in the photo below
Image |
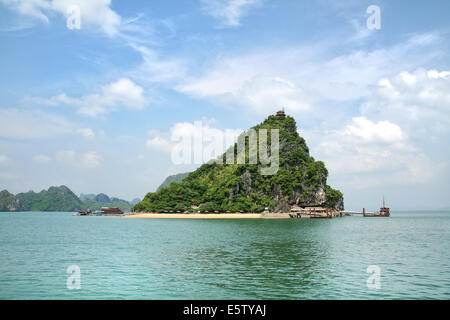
111	210
384	212
102	212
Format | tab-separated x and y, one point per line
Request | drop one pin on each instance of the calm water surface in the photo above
226	259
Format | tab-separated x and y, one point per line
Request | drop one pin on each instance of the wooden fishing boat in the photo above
108	210
384	212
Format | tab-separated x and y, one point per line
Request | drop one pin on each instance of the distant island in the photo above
174	178
59	199
299	181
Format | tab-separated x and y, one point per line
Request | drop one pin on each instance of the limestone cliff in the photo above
299	180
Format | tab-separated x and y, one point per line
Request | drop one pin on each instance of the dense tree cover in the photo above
242	187
334	197
56	199
6	200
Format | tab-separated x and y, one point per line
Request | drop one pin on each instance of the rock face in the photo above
300	180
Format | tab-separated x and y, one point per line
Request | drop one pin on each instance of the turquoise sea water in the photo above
224	259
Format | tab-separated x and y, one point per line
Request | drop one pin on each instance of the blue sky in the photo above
94	108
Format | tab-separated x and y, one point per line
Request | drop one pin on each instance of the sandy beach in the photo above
206	216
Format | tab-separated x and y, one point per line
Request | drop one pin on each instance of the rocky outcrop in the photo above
299	180
282	207
8	201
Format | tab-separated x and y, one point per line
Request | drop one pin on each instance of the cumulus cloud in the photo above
403	117
94	13
419	99
382	131
203	140
366	153
229	12
121	93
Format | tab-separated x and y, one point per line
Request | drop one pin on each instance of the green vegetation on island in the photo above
54	199
58	199
7	200
300	180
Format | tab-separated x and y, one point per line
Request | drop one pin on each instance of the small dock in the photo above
350	213
384	212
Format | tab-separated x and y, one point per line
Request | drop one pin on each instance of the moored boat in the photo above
102	212
113	210
384	212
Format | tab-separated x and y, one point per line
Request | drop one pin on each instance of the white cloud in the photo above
259	82
126	92
434	74
204	141
122	93
404	118
418	100
155	68
86	132
90	159
365	153
303	78
94	13
265	94
229	12
40	158
28	124
159	143
382	131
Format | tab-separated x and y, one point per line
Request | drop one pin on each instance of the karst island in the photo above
220	190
